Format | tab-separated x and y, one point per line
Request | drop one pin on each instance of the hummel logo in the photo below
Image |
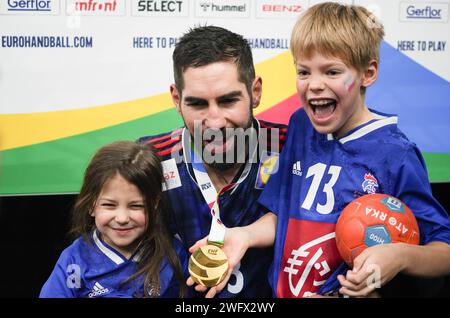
297	169
98	290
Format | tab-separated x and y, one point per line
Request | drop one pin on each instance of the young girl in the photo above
125	249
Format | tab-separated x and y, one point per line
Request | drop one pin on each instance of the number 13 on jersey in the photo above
317	172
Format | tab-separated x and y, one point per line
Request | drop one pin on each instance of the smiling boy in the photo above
337	150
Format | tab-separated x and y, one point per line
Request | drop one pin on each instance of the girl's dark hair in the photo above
139	165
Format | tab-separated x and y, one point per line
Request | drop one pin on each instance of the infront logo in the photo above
96	8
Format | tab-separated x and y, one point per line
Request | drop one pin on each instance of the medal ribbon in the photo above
217	231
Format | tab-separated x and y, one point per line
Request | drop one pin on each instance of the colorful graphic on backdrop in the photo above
67	92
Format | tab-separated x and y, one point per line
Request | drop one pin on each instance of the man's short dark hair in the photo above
204	45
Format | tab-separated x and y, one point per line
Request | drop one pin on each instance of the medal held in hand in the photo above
208	266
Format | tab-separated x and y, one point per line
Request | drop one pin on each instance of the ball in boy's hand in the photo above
371	220
208	265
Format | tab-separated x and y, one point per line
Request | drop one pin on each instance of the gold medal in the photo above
208	265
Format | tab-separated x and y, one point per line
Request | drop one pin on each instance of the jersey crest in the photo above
267	167
370	184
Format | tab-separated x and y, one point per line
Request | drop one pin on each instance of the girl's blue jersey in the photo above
94	269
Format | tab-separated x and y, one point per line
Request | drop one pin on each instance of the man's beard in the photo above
230	158
236	154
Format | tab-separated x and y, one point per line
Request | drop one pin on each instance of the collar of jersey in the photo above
186	142
380	121
112	253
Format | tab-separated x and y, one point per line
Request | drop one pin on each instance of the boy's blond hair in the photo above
348	32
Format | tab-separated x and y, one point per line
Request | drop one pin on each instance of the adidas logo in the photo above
297	169
98	290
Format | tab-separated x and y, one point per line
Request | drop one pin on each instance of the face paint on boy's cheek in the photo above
301	87
349	83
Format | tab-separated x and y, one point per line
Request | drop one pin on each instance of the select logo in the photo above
222	8
424	11
29	7
95	7
160	8
290	9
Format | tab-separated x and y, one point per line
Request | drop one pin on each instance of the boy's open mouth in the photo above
322	107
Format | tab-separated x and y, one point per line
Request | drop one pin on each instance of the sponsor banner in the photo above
427	11
416	28
30	7
71	77
14	41
273	9
160	8
222	8
268	43
96	7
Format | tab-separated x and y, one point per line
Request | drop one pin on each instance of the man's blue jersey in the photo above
191	216
318	176
88	269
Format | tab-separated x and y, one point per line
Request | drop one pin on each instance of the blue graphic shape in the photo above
393	204
376	235
417	95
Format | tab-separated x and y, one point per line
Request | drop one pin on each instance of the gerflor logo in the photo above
424	11
34	5
30	7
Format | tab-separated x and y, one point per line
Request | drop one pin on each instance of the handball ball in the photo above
371	220
208	265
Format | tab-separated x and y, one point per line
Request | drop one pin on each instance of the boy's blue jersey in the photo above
191	217
318	176
94	269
